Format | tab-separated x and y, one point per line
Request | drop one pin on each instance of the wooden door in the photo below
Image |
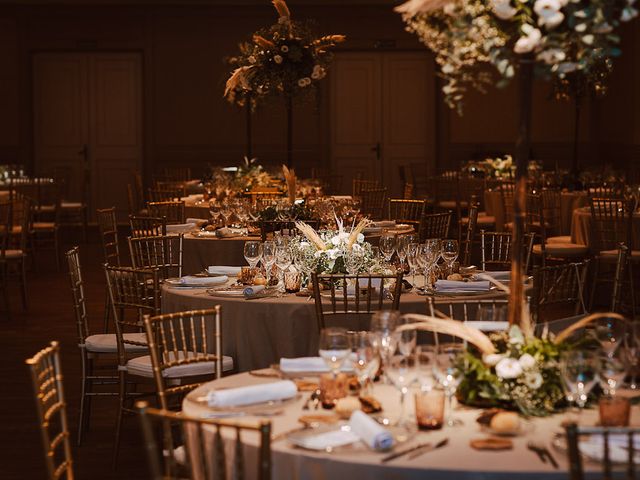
87	116
382	115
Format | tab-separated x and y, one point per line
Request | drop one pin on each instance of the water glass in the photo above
448	375
334	348
268	257
252	253
401	370
578	369
430	409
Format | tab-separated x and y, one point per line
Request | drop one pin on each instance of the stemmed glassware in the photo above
401	370
283	261
632	351
387	246
612	369
401	249
383	324
427	256
412	251
268	257
448	375
334	348
610	332
425	364
252	252
406	339
449	253
366	359
578	369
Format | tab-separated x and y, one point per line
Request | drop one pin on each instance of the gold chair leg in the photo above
83	396
121	399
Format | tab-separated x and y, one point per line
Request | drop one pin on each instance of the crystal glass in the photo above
402	372
612	369
387	246
366	360
448	374
406	339
334	348
578	369
412	250
449	253
401	249
632	351
283	261
383	324
252	252
427	255
268	257
425	364
610	332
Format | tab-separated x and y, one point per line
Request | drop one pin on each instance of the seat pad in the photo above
106	343
142	366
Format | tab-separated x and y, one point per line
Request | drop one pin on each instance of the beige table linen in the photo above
456	461
581	228
200	252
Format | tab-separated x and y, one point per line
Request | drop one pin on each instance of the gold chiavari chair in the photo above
447	192
558	291
472	191
624	452
348	301
133	293
157	195
507	192
435	225
45	224
185	348
138	190
16	255
606	190
200	435
5	232
373	202
403	210
359	185
172	211
73	213
51	408
467	235
108	227
161	252
94	348
147	226
176	174
496	250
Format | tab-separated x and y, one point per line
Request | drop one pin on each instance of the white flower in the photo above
567	67
356	248
552	56
284	49
491	359
527	361
549	13
628	14
508	368
277	59
360	238
529	40
533	380
503	9
304	244
588	39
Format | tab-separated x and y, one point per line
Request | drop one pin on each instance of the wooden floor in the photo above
50	317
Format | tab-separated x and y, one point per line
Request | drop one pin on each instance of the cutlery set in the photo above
416	450
543	453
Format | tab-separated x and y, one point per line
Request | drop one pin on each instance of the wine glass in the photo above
334	348
610	332
283	261
401	249
252	252
412	250
366	360
402	372
449	253
383	325
578	369
387	246
632	351
612	369
406	339
425	364
448	375
268	257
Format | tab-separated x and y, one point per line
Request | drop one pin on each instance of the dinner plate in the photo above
175	282
226	292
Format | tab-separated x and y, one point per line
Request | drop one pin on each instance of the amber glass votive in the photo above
292	281
614	411
247	274
332	389
430	409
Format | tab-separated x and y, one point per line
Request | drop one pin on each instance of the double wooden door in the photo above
88	122
382	115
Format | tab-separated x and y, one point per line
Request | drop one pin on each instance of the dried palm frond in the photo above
357	230
239	78
328	41
311	235
449	327
281	7
263	42
290	179
566	333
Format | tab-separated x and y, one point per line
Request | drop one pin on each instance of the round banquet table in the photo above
200	252
456	461
569	201
581	227
258	332
195	207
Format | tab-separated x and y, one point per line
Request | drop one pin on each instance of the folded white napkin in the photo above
193	280
331	439
499	275
224	270
593	447
370	431
457	286
231	232
181	228
309	364
266	392
249	291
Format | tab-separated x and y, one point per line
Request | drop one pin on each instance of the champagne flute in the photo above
578	369
334	348
401	249
252	253
448	375
412	250
268	257
283	261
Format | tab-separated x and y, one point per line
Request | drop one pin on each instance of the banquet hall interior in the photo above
316	239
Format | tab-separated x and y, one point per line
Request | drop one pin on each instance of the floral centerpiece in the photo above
514	369
250	175
500	167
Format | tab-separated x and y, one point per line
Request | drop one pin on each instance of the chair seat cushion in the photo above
562	249
44	225
72	205
13	254
559	239
106	343
142	366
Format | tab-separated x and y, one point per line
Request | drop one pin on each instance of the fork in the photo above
543	452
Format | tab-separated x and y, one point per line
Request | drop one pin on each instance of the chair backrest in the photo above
624	450
496	250
345	300
165	194
359	185
407	193
183	338
77	293
606	190
559	291
373	202
610	222
507	192
142	226
135	290
46	376
5	227
108	226
132	200
446	188
177	174
163	252
471	191
406	210
435	225
172	211
21	219
205	455
467	235
465	310
138	189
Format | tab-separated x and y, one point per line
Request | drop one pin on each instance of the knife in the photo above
547	453
428	448
422	447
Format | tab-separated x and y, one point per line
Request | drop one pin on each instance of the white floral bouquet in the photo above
251	174
500	167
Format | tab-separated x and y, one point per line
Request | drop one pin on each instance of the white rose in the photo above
533	380
304	244
628	14
552	56
492	359
508	368
529	41
549	13
336	240
527	361
503	9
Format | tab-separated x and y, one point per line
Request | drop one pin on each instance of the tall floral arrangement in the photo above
286	58
571	40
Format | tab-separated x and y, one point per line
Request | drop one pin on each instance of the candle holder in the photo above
430	409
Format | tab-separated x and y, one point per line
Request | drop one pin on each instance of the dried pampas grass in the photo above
311	235
291	180
239	78
282	9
